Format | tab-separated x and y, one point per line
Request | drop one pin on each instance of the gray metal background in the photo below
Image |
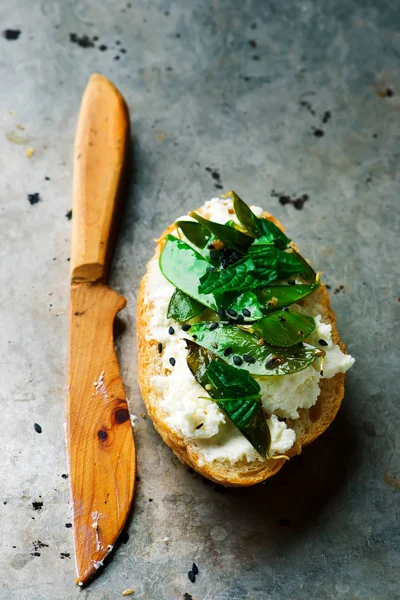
200	95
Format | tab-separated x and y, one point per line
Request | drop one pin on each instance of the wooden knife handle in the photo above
101	148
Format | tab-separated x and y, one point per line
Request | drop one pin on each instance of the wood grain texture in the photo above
99	432
100	441
101	146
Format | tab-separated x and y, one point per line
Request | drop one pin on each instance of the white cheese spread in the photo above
188	408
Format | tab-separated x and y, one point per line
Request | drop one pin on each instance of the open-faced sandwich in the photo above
240	361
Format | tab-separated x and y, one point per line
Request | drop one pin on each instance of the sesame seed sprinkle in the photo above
172	361
171	330
270	363
237	360
227	351
322	342
249	359
159	347
246	312
186	327
213	326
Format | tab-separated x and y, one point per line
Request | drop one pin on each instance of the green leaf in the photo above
258	434
246	301
266	257
240	410
256	226
276	296
266	227
230	382
267	359
263	264
183	266
194	232
283	328
244	214
235	278
308	273
246	411
182	307
230	236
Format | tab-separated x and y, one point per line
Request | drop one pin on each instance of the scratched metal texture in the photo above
239	88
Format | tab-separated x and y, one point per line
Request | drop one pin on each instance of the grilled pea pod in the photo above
235	392
229	235
243	350
182	307
283	328
276	296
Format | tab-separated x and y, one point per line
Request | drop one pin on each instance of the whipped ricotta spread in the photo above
187	404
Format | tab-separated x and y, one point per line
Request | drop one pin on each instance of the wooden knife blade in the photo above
99	433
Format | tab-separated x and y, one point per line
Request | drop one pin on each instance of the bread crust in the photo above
308	427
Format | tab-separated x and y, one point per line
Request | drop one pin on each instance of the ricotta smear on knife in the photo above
198	419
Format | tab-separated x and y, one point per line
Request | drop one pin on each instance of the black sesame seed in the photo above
210	269
237	360
221	313
37	427
281	319
186	327
246	312
200	425
213	326
231	312
291	282
192	576
195	569
227	351
240	318
249	359
322	342
194	336
270	363
321	373
159	347
172	361
285	308
171	330
282	419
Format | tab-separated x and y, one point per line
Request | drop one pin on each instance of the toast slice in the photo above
308	427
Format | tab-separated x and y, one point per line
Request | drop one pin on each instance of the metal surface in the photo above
230	87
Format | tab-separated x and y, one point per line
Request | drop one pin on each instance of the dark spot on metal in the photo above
192	576
33	198
319	133
37	505
83	41
11	34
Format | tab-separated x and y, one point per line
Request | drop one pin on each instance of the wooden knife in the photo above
99	433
